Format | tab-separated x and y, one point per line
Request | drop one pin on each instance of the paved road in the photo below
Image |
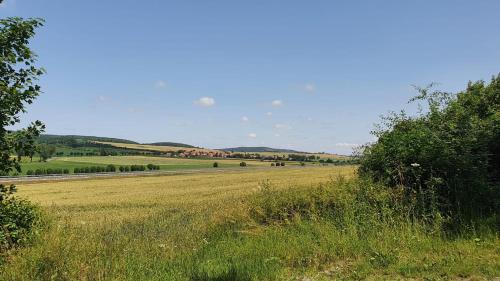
132	174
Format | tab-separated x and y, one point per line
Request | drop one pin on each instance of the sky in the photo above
306	75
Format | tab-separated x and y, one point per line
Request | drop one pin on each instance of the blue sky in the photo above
306	75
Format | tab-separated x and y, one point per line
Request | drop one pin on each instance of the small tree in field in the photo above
215	165
243	164
46	151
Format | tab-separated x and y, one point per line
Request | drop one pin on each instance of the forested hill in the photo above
72	139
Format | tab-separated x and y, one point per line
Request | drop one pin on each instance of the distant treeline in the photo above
94	169
112	168
294	157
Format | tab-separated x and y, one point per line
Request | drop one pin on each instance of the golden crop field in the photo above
203	227
139	197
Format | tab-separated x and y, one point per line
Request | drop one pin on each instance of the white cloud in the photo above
252	135
160	84
309	88
269	113
205	101
277	103
134	110
244	119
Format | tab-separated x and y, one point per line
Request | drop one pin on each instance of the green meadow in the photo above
164	162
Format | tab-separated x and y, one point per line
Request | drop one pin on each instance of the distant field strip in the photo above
161	148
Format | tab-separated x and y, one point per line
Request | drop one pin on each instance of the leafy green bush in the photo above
447	157
18	219
243	164
30	172
111	168
135	168
215	165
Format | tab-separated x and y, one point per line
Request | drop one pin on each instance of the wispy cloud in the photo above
252	135
102	98
134	110
309	88
346	144
205	101
269	113
280	126
244	119
277	103
160	84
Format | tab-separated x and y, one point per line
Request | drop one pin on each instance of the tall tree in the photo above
18	77
46	151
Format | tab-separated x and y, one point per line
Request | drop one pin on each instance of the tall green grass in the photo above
343	229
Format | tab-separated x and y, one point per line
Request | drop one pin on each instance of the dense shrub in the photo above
282	164
135	168
215	165
152	167
111	168
243	164
272	164
447	157
18	219
30	172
